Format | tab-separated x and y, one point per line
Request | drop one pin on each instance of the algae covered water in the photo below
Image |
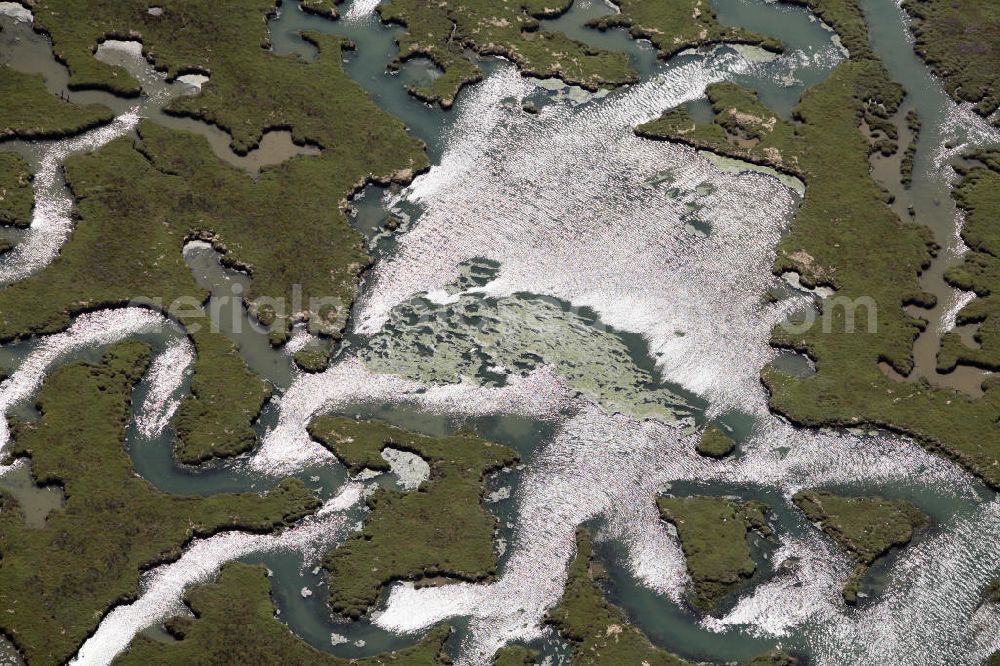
614	289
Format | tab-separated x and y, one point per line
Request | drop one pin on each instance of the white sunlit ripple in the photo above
563	202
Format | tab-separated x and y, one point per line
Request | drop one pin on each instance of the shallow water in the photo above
547	211
568	204
36	502
561	202
801	33
52	218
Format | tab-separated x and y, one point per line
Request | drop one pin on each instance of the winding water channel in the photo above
584	230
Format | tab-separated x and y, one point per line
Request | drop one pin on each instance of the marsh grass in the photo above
439	530
138	204
961	44
977	194
714	443
442	31
29	111
678	25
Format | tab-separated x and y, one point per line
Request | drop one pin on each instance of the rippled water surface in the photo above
591	299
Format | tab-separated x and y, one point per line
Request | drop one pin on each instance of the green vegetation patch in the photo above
714	443
992	593
675	25
57	581
441	31
250	89
441	529
866	527
515	655
326	8
713	535
312	360
745	128
30	111
961	44
600	632
234	623
16	197
906	164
